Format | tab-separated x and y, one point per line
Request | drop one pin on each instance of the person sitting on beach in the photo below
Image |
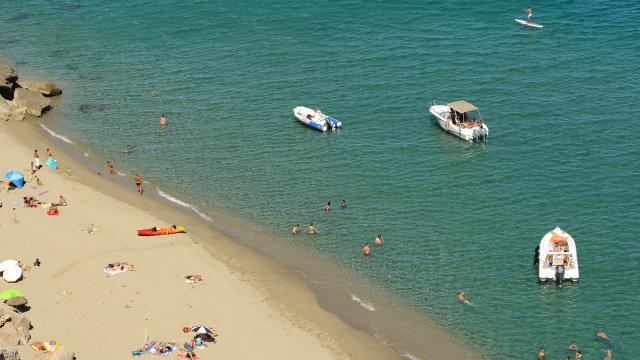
541	354
296	228
461	298
529	12
366	250
312	229
328	206
62	201
379	240
602	335
343	203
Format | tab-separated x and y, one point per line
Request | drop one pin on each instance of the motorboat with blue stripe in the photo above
316	119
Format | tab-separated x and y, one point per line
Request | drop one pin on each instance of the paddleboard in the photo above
525	23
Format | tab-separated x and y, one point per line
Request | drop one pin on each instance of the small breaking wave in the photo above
61	137
185	204
367	305
409	355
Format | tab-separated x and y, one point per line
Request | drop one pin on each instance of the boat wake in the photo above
185	204
61	137
363	303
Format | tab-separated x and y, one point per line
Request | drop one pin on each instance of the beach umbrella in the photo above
11	293
16	178
12	274
8	264
201	329
52	163
17	301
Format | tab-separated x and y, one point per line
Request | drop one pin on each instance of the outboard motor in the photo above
559	275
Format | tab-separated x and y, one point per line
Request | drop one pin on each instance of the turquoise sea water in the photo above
561	104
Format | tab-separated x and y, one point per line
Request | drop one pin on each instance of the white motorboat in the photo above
462	119
315	118
558	257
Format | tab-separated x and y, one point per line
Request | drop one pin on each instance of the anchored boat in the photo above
315	118
558	257
462	119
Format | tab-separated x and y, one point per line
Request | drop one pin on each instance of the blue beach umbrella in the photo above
52	163
16	178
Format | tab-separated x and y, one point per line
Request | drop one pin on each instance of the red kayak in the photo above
161	231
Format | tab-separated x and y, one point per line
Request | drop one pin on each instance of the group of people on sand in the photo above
576	354
313	229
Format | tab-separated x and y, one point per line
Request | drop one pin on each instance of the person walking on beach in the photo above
296	228
366	250
138	181
163	120
529	12
328	206
36	159
49	153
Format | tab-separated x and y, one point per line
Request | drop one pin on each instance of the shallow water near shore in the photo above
455	216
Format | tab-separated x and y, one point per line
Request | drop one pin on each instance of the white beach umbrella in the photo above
7	264
12	274
201	329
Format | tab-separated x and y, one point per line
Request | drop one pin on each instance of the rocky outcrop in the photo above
14	328
44	87
33	102
9	354
8	78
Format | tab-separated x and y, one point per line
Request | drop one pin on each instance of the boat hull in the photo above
470	134
308	117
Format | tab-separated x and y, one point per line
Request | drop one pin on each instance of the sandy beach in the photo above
259	309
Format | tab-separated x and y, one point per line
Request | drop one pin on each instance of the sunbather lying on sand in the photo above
119	267
191	279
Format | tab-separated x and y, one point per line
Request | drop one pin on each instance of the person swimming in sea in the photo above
343	203
312	229
366	250
154	93
602	335
296	228
379	240
163	120
327	207
127	149
461	298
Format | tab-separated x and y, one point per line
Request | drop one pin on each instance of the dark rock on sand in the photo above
14	328
9	353
44	87
8	78
33	102
91	108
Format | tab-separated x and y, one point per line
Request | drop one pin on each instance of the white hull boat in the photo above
558	257
461	119
316	119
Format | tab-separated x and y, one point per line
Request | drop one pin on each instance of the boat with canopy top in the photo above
558	257
462	119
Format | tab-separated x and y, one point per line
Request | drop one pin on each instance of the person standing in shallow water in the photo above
379	240
343	203
296	228
163	120
328	206
312	229
541	354
366	250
